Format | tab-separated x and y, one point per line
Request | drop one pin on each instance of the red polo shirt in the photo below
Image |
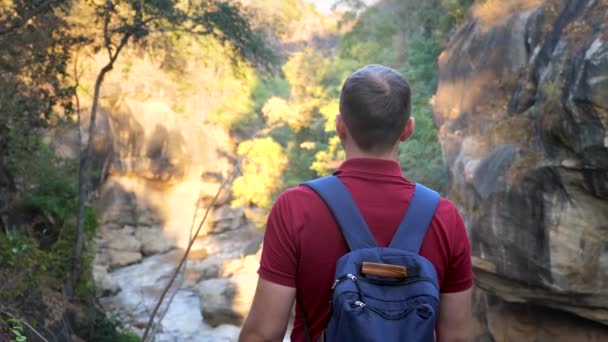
302	241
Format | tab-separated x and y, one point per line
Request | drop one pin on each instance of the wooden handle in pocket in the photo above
383	270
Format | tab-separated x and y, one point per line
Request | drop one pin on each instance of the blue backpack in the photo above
381	294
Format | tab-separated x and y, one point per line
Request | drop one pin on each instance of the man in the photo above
303	242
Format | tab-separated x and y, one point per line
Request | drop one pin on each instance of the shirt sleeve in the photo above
278	263
459	272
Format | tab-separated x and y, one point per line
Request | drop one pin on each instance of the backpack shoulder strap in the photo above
345	211
416	221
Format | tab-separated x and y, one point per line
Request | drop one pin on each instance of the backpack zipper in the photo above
343	278
423	311
378	282
399	283
351	277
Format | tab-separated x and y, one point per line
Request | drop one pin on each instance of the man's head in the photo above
375	107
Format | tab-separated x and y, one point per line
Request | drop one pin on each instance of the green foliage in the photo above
407	36
421	64
42	245
18	250
16	329
301	152
32	71
50	186
261	172
277	15
266	88
421	157
99	328
371	40
121	21
37	254
325	160
303	121
226	22
455	12
305	71
50	181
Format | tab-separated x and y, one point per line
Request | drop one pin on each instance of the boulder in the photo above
198	254
153	241
248	264
208	268
522	116
102	257
124	258
103	281
117	205
227	300
209	188
500	321
147	217
227	218
217	297
245	283
124	242
225	332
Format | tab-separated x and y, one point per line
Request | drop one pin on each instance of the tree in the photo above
261	172
278	15
21	13
124	21
33	76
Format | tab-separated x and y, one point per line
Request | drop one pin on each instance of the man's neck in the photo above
392	155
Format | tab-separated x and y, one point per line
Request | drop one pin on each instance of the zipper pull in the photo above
359	304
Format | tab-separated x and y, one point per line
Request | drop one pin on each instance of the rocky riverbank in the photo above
210	297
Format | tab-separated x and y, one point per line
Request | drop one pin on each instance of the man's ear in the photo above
410	125
341	127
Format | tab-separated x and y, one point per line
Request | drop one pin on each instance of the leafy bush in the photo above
11	329
261	172
36	253
99	328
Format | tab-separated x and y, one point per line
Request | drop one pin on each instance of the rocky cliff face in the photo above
522	112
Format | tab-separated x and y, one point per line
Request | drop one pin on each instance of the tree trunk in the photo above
83	172
83	175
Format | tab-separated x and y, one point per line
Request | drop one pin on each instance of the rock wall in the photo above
522	113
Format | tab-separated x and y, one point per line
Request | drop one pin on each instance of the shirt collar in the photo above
371	166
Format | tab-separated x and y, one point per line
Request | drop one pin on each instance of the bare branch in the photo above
123	42
183	30
149	20
106	23
76	86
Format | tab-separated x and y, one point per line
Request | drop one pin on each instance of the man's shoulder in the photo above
448	222
296	207
446	208
296	194
298	198
445	211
